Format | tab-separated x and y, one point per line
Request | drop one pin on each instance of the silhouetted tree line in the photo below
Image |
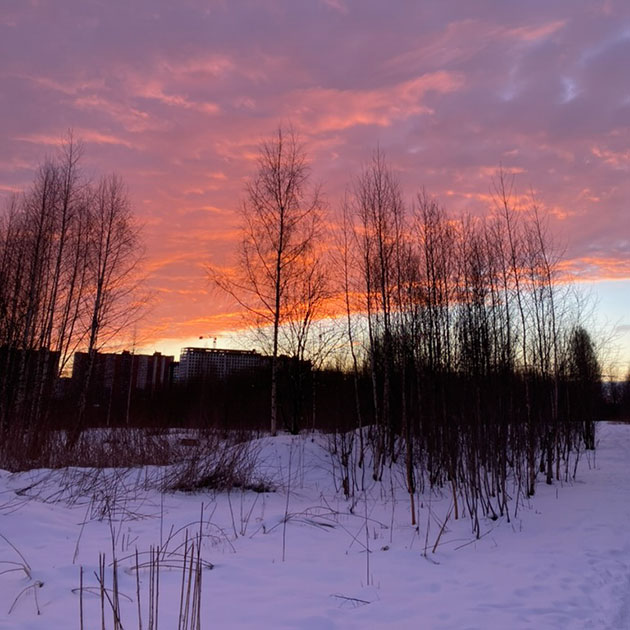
69	249
479	371
617	400
237	401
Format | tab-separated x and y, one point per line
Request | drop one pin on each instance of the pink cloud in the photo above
155	90
535	33
617	159
325	110
85	135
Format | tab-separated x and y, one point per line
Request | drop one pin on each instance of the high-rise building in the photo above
196	363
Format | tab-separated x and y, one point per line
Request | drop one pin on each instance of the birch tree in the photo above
280	223
114	254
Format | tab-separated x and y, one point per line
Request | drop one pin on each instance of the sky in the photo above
177	96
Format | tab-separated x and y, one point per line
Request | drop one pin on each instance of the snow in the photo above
562	562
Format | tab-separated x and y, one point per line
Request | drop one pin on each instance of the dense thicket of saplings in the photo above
480	371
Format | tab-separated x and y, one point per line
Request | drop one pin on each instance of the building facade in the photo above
112	371
200	363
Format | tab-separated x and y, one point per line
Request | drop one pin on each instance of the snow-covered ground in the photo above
562	562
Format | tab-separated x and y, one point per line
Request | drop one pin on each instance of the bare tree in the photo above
278	278
379	214
114	253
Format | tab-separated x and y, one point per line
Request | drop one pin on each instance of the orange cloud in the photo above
595	268
335	110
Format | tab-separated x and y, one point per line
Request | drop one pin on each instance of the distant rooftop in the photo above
218	351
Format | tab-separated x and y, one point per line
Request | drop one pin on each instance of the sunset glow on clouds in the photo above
177	96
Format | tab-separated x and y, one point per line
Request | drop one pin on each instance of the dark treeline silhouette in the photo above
238	401
68	253
479	371
617	400
307	399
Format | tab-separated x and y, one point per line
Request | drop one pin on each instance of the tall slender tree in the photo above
114	253
280	222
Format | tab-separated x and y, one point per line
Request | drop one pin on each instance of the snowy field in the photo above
562	562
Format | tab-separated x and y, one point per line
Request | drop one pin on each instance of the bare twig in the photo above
34	586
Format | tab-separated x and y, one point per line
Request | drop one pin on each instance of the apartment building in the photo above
196	363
